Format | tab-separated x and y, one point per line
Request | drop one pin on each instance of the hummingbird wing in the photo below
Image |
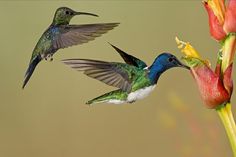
129	59
78	34
113	74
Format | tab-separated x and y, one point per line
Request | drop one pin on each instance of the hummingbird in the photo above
60	34
134	79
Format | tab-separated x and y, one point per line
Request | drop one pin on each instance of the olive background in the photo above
49	117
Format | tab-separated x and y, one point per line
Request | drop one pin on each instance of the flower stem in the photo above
229	48
226	117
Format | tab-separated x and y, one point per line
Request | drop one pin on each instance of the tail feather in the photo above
114	97
30	69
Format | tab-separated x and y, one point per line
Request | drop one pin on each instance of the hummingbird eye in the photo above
170	59
67	12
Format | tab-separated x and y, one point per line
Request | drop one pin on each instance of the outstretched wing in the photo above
70	35
129	59
113	74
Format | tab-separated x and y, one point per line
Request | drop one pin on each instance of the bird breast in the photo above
140	94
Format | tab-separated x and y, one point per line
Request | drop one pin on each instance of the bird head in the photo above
162	63
167	61
63	15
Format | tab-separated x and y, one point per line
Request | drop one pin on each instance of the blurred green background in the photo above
49	118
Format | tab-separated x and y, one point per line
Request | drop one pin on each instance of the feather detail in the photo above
78	34
106	72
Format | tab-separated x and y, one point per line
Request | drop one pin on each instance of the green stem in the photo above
228	109
226	117
229	48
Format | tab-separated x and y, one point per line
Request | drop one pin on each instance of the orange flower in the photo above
230	17
215	89
215	25
222	19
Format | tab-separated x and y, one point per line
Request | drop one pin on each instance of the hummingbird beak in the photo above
83	13
182	65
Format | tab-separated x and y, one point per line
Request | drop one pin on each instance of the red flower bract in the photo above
216	28
230	17
214	90
222	18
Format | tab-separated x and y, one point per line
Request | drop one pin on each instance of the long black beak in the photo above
83	13
182	65
185	66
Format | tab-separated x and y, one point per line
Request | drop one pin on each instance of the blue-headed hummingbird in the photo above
134	78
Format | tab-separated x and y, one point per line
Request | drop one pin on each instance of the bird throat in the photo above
155	72
58	20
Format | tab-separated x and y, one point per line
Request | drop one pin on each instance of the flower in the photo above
189	51
216	86
218	8
222	22
222	18
230	17
215	89
215	25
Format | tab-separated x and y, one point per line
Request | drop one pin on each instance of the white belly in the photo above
140	94
114	101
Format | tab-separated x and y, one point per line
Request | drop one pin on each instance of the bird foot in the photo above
49	56
131	101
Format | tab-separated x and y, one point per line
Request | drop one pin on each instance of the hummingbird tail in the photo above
30	69
115	97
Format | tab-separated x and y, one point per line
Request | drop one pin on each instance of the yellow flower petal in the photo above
187	49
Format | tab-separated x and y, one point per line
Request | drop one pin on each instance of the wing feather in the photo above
106	72
129	59
78	34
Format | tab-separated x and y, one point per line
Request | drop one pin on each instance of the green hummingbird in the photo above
134	78
60	34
